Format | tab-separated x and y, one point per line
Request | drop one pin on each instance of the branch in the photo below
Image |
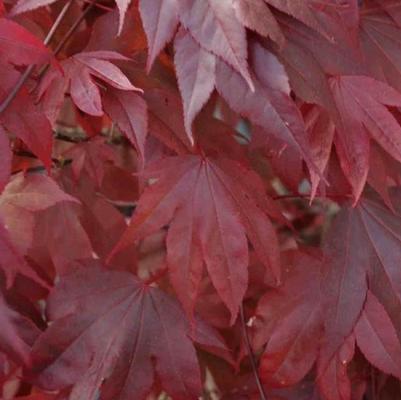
300	196
24	77
251	355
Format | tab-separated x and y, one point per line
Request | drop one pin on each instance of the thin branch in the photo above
24	77
251	355
73	28
300	196
66	138
99	6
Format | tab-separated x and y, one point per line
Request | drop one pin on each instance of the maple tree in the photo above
200	199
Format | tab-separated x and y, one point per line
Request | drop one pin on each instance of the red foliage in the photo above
200	199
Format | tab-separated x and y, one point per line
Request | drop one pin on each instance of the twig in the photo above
23	78
301	196
99	6
73	28
251	355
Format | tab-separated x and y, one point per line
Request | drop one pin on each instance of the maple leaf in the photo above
378	32
12	262
320	129
79	70
196	75
255	15
19	46
306	74
138	324
129	112
24	119
211	211
270	105
5	159
215	27
90	156
50	239
300	9
14	333
333	381
362	250
166	126
314	50
377	338
289	320
361	102
24	196
105	34
102	222
160	20
84	91
22	6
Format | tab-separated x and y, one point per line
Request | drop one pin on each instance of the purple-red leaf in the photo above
129	112
255	15
125	331
210	212
289	320
196	75
362	102
215	27
160	20
19	46
376	337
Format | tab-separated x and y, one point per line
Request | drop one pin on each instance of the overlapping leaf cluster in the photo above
193	187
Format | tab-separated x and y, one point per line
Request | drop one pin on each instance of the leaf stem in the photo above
250	354
23	78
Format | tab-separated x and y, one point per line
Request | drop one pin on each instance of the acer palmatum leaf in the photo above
166	126
333	380
19	46
345	284
24	119
376	337
79	73
361	102
49	235
362	250
12	262
160	20
129	112
11	341
378	30
215	27
320	130
302	10
21	199
100	66
256	15
195	73
33	192
5	159
289	320
269	106
23	6
211	211
90	156
124	334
